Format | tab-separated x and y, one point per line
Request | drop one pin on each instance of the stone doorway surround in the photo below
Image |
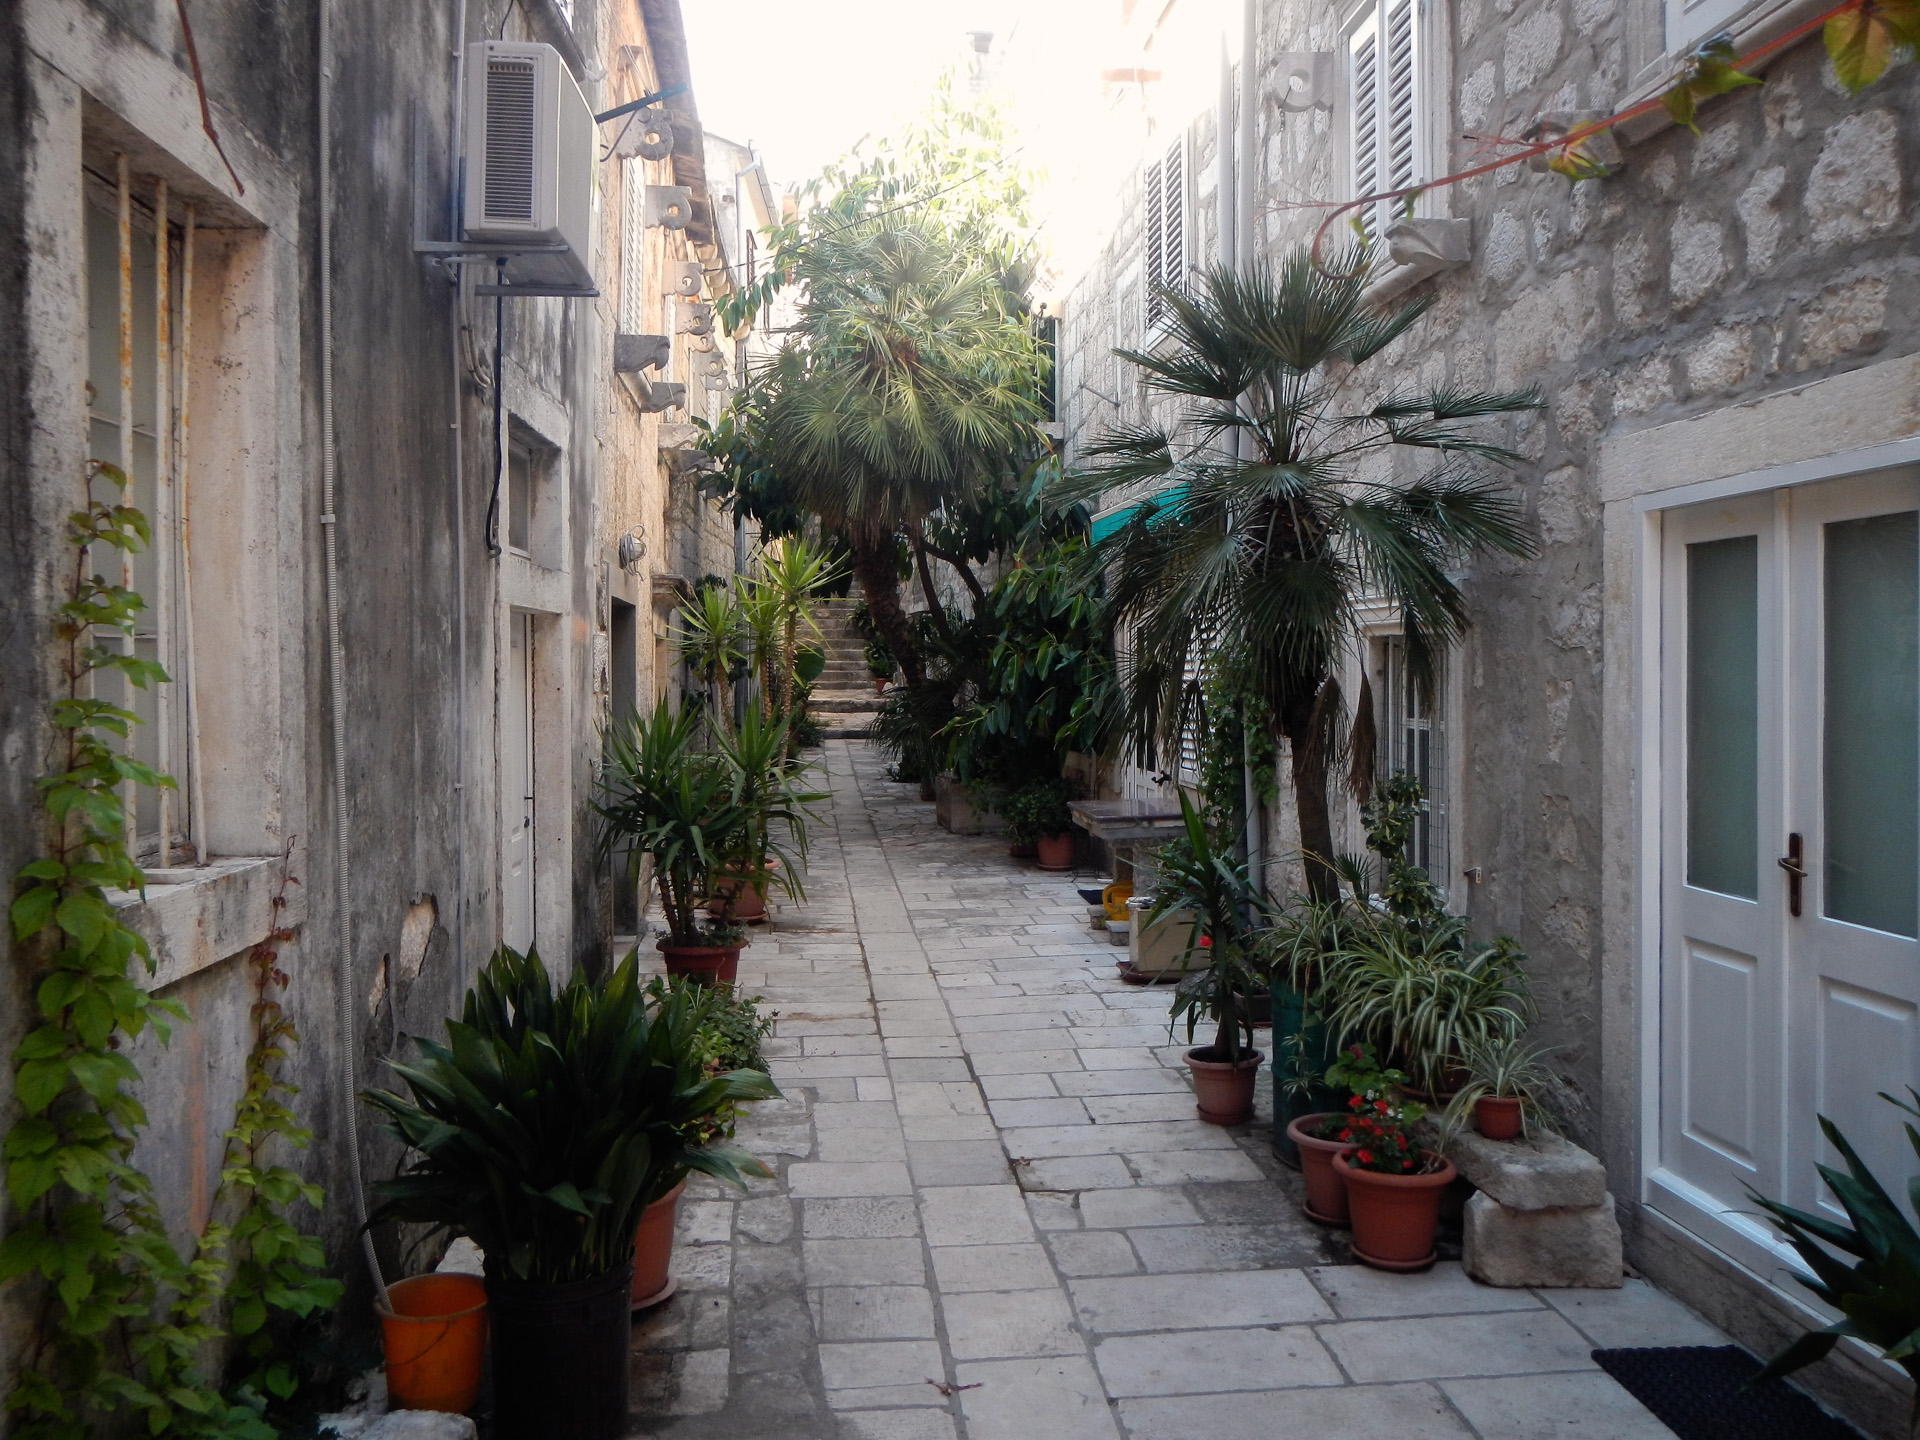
996	1217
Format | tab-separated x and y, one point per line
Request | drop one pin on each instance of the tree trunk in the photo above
1306	743
873	567
934	607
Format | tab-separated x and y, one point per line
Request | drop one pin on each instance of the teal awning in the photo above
1167	500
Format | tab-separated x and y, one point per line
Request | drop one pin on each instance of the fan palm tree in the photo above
908	384
1282	513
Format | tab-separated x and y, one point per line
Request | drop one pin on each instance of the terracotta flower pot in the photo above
880	684
1497	1116
707	962
1326	1202
1394	1216
653	1249
1224	1092
434	1337
734	899
1056	852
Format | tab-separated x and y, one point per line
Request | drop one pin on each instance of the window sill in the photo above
194	918
1765	23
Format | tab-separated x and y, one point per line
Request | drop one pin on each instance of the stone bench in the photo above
1541	1213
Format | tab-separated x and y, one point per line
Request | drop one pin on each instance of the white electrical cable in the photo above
345	989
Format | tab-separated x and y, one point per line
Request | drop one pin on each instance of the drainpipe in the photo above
456	177
345	990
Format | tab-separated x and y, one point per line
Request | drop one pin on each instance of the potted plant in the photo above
880	665
1221	968
662	796
1504	1089
1393	1185
766	778
728	1040
542	1129
1320	1138
1038	823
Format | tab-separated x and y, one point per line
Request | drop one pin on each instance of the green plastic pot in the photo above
1289	1019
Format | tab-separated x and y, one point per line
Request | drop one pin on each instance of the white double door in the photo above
1790	841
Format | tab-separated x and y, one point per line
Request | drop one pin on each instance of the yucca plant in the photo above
1195	875
548	1122
769	786
660	795
712	634
1275	511
1878	1294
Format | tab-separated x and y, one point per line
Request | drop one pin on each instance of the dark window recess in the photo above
520	482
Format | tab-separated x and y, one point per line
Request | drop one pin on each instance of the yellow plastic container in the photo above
1115	898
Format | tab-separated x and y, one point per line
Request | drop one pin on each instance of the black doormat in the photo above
1697	1391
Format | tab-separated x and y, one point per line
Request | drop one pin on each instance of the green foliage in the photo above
548	1122
1261	540
1507	1067
1035	810
1878	1294
1194	875
1863	41
125	1324
1390	815
712	635
766	783
1709	71
880	661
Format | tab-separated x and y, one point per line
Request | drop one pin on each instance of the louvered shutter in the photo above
633	189
1383	78
1164	191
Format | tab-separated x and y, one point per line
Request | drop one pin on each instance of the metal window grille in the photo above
139	264
1412	731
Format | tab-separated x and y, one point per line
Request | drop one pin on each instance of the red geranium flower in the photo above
1381	1106
1366	1156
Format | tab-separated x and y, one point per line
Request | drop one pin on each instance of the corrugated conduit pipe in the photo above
344	986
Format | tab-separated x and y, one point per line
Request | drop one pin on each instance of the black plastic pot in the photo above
560	1357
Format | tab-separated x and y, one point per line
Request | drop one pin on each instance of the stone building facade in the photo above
485	480
1726	336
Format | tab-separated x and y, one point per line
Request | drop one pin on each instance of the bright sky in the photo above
802	82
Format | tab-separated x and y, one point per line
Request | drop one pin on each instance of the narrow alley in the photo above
996	1216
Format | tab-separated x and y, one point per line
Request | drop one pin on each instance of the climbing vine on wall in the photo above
123	1323
1864	39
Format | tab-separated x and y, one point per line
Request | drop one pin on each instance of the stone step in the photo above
868	704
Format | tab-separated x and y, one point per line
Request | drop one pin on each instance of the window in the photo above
1385	139
1691	21
1413	740
532	499
139	258
633	256
1164	195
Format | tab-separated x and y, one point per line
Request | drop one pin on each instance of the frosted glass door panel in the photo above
1723	716
1872	722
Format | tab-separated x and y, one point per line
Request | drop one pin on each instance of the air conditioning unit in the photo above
529	170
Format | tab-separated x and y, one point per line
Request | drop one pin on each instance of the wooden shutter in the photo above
1398	112
1154	240
633	190
1363	89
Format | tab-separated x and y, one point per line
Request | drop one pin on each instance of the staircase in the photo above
843	698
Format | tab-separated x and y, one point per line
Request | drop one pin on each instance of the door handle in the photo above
1796	872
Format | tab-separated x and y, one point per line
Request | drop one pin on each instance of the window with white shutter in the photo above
633	260
1164	195
1386	142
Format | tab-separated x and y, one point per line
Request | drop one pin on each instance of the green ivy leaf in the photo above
33	909
1709	72
38	1083
1862	42
85	917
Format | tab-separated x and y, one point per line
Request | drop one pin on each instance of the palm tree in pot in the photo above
662	796
1195	875
1283	509
543	1129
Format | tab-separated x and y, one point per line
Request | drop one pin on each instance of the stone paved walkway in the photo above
996	1217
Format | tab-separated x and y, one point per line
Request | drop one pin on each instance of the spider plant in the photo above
1506	1067
548	1122
1423	993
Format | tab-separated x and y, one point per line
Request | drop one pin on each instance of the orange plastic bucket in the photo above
435	1336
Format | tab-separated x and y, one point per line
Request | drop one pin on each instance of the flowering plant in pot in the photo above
1504	1089
543	1129
1222	971
663	796
1321	1137
1393	1185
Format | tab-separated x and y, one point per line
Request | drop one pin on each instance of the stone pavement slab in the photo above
995	1215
